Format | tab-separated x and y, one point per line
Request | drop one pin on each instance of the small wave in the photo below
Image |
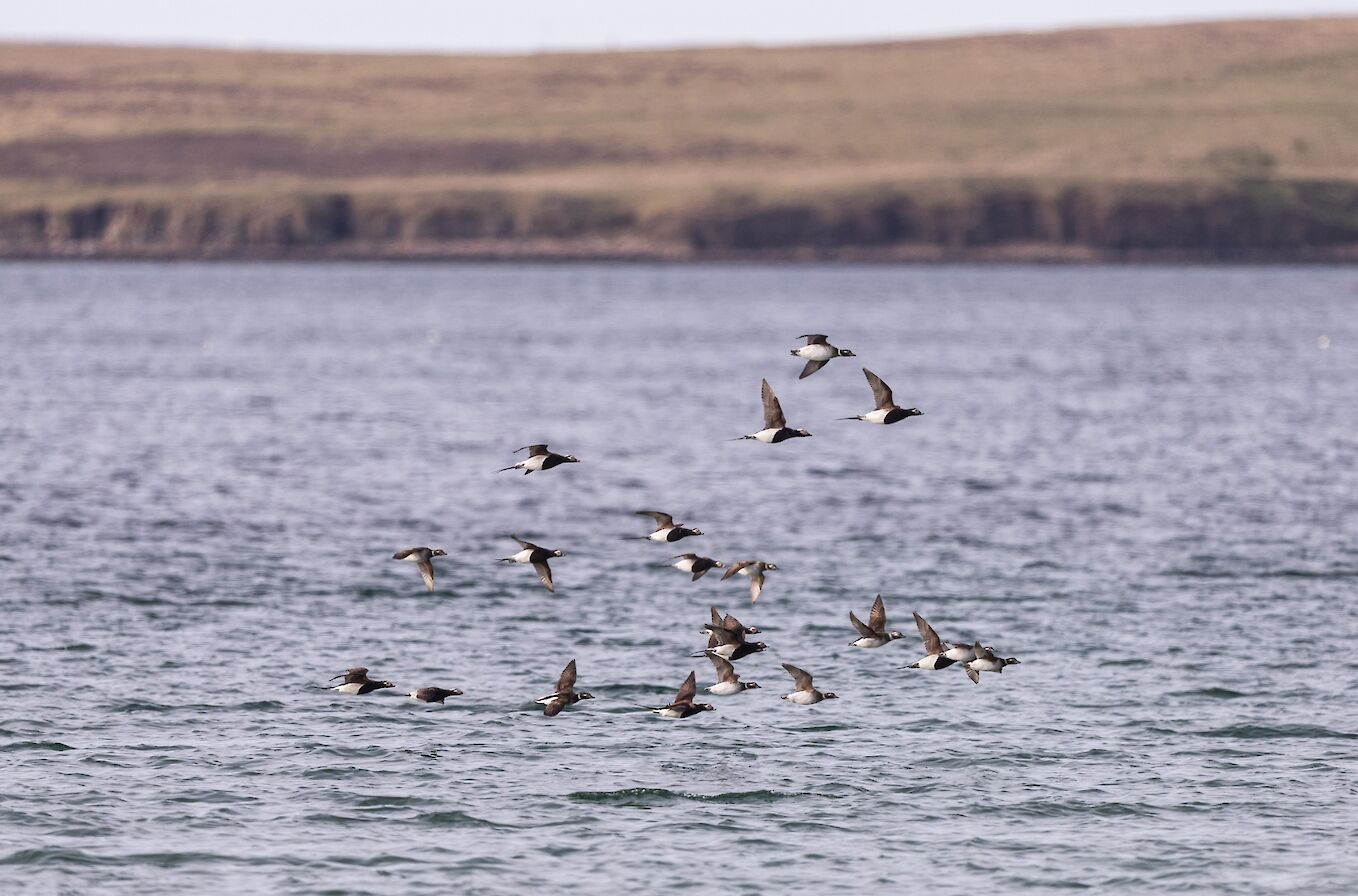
454	819
1052	809
55	746
1272	732
646	796
1214	693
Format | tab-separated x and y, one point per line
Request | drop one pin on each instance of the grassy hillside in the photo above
984	141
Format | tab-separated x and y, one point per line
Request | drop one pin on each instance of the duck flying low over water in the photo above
730	642
886	411
697	565
935	654
728	623
986	661
356	681
665	527
874	633
818	351
728	682
539	458
775	424
565	693
755	570
804	694
683	705
538	556
423	557
434	695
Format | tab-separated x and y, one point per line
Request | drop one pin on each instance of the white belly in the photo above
868	642
986	665
960	654
523	556
804	698
725	688
816	352
352	687
669	713
877	416
661	534
533	464
930	662
766	435
724	650
686	565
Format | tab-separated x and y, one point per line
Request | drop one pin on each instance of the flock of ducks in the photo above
727	640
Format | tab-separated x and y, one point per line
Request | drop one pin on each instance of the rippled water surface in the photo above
1141	482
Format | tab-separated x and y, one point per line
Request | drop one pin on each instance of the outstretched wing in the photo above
687	689
814	338
801	679
526	545
427	572
932	643
662	520
810	368
533	450
733	569
544	573
725	671
756	586
877	618
864	630
567	679
773	411
881	392
553	707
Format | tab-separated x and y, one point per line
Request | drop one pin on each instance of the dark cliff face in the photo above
1263	220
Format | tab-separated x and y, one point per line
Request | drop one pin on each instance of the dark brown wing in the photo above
863	630
732	624
726	636
544	573
716	617
533	450
725	671
427	573
662	520
877	618
733	569
567	679
932	643
687	689
810	368
554	707
801	679
401	555
773	411
526	545
881	392
815	338
983	653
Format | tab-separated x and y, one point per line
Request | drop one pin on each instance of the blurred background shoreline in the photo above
1201	142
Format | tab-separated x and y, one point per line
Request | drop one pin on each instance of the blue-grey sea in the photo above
1140	481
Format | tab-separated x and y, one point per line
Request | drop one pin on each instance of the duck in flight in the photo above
728	682
539	458
565	693
755	570
804	694
665	527
818	351
696	565
434	695
775	424
538	556
874	633
986	661
423	557
683	705
887	411
356	681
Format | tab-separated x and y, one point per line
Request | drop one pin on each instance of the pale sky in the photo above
499	26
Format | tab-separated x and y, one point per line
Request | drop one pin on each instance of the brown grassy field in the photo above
130	150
